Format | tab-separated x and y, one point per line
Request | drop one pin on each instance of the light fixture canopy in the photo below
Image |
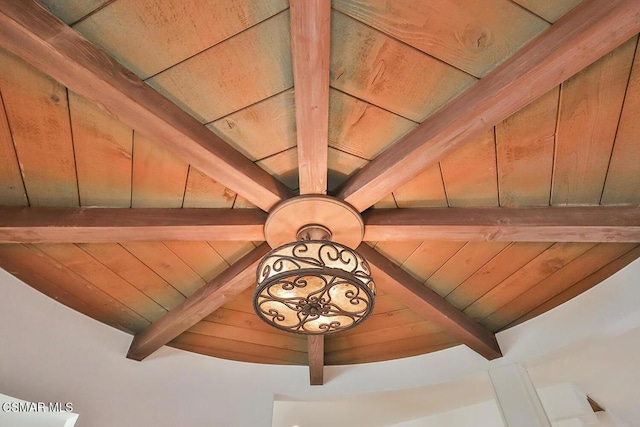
314	286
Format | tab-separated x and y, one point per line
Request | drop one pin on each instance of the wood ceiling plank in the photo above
584	35
463	264
389	319
590	105
232	355
583	285
551	10
91	270
222	79
160	29
310	34
241	348
341	166
283	166
538	269
362	129
430	305
201	257
38	116
233	251
98	135
203	192
582	267
391	350
167	265
106	225
525	145
131	269
503	265
35	35
48	276
469	174
315	345
429	257
240	319
11	186
243	303
338	342
159	177
474	37
71	11
623	176
205	300
262	129
397	251
284	341
535	224
424	191
376	68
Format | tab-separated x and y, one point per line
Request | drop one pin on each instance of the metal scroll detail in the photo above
314	287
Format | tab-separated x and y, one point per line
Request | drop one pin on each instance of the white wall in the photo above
51	353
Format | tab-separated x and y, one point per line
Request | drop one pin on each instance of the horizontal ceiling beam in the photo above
105	225
585	34
315	350
543	224
29	31
310	34
430	305
224	288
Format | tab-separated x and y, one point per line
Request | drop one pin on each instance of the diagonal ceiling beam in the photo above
544	224
315	349
224	288
430	305
310	33
32	33
588	32
105	225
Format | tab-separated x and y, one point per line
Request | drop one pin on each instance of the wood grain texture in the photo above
71	11
196	307
203	192
410	330
55	280
582	267
169	32
525	145
200	257
469	174
87	225
584	35
472	36
581	286
623	176
539	268
310	33
98	135
429	257
32	33
220	80
12	191
535	224
431	305
38	116
378	69
315	345
590	105
551	10
424	191
272	120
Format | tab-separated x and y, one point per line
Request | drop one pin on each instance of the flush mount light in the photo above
314	285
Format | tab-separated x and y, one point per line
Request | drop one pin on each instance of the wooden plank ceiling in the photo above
393	64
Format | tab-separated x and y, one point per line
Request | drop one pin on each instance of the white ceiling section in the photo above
51	353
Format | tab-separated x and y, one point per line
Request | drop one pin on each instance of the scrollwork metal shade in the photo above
314	287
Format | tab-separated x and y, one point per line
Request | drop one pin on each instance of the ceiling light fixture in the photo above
314	285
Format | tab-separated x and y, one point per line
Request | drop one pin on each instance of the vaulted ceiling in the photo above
493	148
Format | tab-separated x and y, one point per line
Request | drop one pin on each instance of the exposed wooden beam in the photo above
224	288
589	31
544	224
315	346
430	305
310	32
103	225
29	31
